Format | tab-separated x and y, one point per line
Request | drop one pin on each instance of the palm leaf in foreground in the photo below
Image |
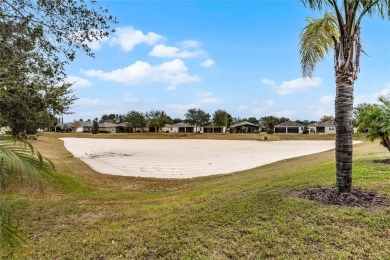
17	158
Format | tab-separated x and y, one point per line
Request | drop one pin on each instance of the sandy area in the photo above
184	158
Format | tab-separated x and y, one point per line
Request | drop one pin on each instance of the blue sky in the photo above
241	56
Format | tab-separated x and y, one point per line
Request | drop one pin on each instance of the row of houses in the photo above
242	127
288	127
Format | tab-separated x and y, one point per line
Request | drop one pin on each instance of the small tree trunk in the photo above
344	131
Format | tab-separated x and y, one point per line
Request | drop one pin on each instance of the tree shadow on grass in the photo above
385	161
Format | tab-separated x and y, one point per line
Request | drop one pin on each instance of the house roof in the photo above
124	124
181	125
107	124
244	123
289	123
87	123
327	123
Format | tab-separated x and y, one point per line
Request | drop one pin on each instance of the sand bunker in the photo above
184	158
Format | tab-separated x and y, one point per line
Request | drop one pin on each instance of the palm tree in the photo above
339	30
375	120
17	157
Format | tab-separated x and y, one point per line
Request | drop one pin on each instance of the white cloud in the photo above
188	44
206	98
209	100
208	63
285	113
78	82
288	87
269	82
140	73
242	108
128	38
385	92
372	98
164	51
327	99
91	101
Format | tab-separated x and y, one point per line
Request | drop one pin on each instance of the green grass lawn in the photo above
252	214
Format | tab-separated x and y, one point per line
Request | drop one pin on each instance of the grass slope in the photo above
251	214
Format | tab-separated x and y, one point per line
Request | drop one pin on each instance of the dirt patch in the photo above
385	161
356	198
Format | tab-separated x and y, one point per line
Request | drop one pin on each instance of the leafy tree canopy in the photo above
157	119
112	118
197	117
253	120
326	118
221	118
135	119
47	30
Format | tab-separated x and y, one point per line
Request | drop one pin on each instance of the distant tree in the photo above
305	129
306	122
135	119
244	129
111	118
197	117
376	120
95	127
157	119
326	118
269	122
221	118
230	120
253	120
237	119
177	120
81	120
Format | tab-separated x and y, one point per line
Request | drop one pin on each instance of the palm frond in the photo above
19	157
316	4
9	236
316	40
379	8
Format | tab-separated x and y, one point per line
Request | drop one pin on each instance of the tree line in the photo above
194	116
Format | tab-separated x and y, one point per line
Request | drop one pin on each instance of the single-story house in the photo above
123	128
244	127
179	128
107	127
289	127
328	127
82	127
214	129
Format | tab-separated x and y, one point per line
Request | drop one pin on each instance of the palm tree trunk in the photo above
344	131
